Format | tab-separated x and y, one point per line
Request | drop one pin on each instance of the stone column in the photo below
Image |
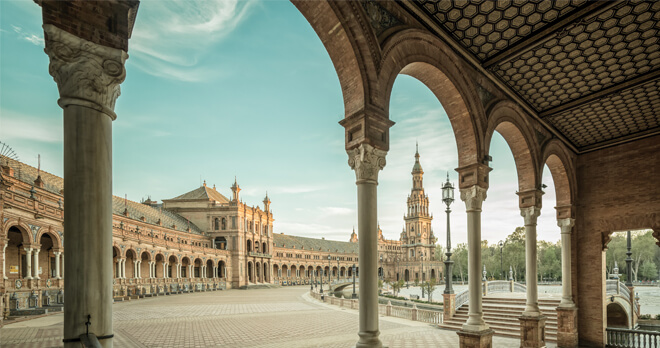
36	264
165	270
57	264
473	198
28	261
4	257
139	269
367	161
88	77
190	273
123	268
567	334
532	323
566	226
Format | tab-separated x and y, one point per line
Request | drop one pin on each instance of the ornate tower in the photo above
354	238
267	203
235	189
417	239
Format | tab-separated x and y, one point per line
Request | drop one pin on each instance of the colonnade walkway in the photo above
282	317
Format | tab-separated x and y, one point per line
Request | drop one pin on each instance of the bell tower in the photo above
417	236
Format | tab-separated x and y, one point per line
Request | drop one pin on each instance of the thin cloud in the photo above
172	37
18	126
31	38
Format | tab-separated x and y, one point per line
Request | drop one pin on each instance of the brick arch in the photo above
57	241
347	45
135	253
509	120
562	169
149	257
420	55
21	226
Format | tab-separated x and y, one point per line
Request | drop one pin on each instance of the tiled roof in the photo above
54	184
304	243
203	192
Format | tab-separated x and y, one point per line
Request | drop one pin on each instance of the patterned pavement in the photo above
284	317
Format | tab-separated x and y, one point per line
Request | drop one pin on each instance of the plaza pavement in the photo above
281	317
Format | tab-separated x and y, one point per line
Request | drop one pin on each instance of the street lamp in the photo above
311	280
354	294
337	270
421	254
380	267
501	245
448	199
629	261
321	292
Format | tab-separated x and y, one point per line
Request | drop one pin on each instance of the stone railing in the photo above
616	287
625	338
255	254
415	314
491	287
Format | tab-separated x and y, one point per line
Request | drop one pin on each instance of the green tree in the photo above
460	262
648	271
514	253
429	286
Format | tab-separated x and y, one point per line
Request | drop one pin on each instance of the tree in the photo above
429	286
643	249
460	262
514	252
648	271
396	286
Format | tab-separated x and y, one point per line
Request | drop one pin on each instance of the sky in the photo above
223	89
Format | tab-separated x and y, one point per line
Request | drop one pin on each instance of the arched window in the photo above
224	223
216	224
264	248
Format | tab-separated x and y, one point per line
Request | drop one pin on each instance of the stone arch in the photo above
561	165
57	241
22	227
422	56
617	316
509	120
347	45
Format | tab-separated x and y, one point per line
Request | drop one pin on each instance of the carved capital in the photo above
531	198
366	160
530	214
566	225
473	174
473	197
87	74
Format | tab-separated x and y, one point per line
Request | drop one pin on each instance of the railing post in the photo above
414	312
388	309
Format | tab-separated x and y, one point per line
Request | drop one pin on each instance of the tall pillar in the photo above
88	77
367	161
28	261
35	268
138	268
190	271
123	268
532	323
57	264
567	334
4	257
531	268
165	270
473	198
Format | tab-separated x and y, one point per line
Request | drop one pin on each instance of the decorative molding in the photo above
366	160
473	197
566	225
380	18
530	214
87	74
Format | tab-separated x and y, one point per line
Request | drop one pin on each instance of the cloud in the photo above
32	38
172	37
18	126
332	211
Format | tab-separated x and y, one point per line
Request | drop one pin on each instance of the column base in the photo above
475	339
449	305
567	334
369	339
532	331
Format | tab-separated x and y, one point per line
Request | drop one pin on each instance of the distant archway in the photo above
617	316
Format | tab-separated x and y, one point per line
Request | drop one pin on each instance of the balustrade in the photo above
624	338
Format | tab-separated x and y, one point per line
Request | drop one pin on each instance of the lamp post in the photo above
501	245
448	199
338	270
354	294
311	280
380	267
321	292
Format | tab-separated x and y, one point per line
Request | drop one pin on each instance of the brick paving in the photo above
284	317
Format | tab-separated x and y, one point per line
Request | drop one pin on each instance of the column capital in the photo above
366	160
473	175
473	197
87	74
28	249
530	214
566	225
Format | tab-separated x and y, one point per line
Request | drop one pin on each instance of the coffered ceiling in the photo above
590	69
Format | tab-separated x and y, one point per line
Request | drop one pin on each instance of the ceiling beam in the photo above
602	93
590	9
